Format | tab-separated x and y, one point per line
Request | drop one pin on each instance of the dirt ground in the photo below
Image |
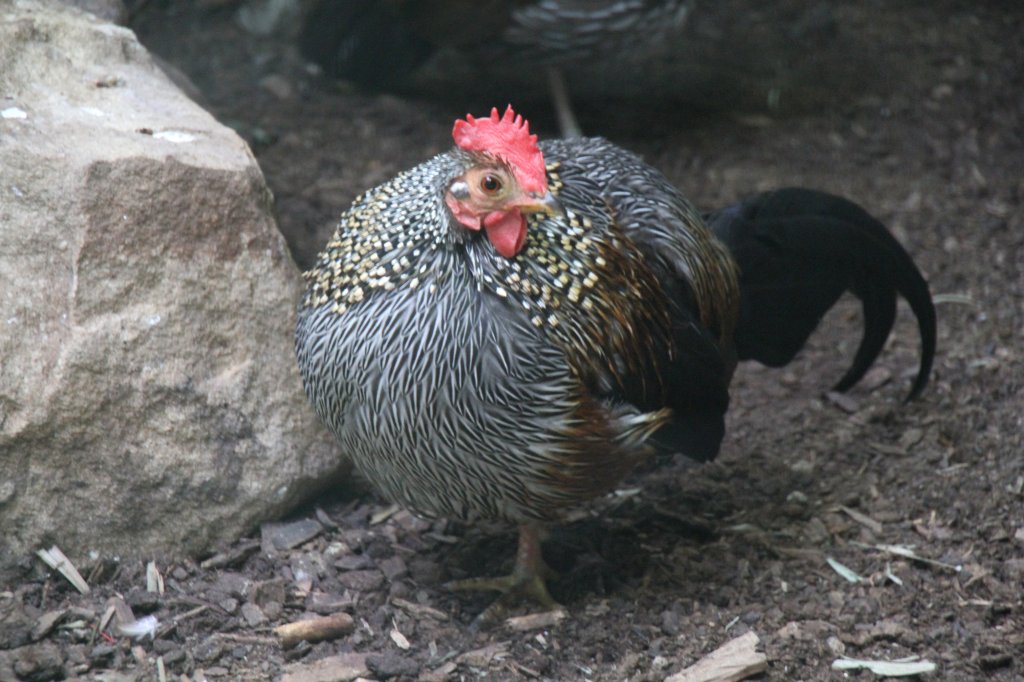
682	558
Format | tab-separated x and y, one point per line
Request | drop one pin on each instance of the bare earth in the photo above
682	558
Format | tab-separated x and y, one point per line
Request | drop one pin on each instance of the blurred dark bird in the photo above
500	46
378	43
507	329
624	64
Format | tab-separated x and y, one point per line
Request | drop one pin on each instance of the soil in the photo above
682	558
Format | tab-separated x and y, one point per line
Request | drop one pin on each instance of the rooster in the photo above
610	47
509	328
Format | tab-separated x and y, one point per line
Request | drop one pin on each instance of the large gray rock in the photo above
149	397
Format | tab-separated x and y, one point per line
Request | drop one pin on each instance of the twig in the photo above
55	559
244	639
863	519
315	629
154	581
232	557
735	660
908	552
900	668
180	617
535	621
419	610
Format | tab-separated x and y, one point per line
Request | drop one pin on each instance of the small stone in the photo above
910	438
331	669
835	645
272	609
7	491
208	650
803	466
174	657
143	602
875	378
163	646
843	402
308	567
388	665
399	589
361	581
15	625
327	603
278	86
253	614
797	497
47	622
232	584
671	622
394	568
298	651
39	662
816	531
278	537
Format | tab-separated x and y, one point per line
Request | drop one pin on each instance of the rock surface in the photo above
149	398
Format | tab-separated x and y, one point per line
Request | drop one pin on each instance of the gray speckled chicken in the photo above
507	329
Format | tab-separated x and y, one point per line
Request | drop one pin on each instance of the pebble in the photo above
102	652
47	622
388	665
394	568
278	537
835	645
39	662
253	614
232	584
143	602
208	650
341	667
671	622
361	581
16	627
327	603
278	86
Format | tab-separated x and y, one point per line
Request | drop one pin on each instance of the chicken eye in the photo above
490	184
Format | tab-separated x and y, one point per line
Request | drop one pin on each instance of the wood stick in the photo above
735	660
315	629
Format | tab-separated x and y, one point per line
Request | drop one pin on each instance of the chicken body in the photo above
470	373
465	384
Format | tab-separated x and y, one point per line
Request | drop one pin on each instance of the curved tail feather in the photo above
798	250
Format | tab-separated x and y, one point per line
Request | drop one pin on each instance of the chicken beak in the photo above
541	203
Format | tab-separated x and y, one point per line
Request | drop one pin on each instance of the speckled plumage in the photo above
464	383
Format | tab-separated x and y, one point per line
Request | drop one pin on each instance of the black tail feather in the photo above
798	250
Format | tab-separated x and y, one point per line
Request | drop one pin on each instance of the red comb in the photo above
508	138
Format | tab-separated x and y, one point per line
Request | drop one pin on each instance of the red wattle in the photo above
506	230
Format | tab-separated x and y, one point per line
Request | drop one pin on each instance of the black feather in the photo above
798	250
